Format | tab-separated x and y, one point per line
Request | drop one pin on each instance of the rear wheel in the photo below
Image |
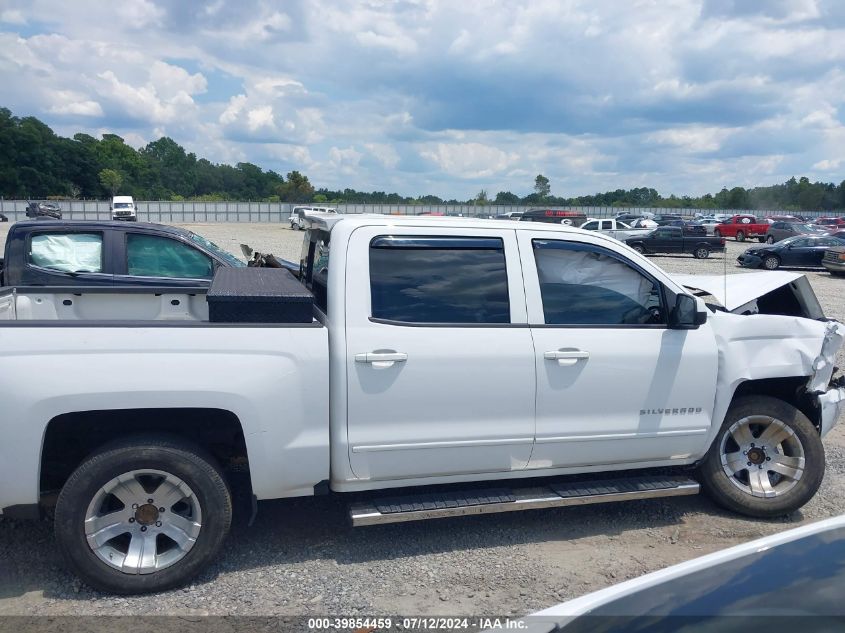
771	262
740	236
702	252
143	515
767	459
770	239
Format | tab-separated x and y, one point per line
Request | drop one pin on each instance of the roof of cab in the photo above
327	221
52	225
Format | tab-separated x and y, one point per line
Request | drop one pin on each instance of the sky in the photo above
449	98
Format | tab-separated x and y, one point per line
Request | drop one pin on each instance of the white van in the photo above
296	219
123	208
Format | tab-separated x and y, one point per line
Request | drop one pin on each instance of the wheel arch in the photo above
791	390
71	437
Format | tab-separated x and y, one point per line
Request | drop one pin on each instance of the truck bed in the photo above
130	305
248	295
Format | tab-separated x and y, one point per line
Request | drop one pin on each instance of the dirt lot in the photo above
301	557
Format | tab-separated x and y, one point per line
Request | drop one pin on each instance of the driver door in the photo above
615	385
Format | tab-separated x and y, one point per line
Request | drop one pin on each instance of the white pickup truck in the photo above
466	353
614	228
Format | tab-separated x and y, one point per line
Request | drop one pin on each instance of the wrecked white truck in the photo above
447	360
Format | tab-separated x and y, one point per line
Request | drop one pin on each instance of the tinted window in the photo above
439	280
590	226
153	256
67	252
582	285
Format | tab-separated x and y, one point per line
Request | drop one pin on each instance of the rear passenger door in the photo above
155	260
440	363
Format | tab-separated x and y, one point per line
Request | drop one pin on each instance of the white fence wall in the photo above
200	212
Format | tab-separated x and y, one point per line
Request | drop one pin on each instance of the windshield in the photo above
211	247
122	205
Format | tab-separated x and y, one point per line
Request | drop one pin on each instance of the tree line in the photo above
37	163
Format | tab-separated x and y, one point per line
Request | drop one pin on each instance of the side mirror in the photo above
686	315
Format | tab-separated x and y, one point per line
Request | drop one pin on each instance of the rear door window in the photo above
439	280
154	256
67	252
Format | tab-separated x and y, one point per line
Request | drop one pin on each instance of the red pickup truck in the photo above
741	227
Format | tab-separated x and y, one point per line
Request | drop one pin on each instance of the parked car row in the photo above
799	250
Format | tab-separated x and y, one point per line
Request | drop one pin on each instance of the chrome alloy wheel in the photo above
762	456
143	521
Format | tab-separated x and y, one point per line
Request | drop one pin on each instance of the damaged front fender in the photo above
766	346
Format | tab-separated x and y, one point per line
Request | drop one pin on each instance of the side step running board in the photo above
483	501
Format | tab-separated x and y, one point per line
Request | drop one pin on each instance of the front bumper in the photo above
750	260
834	266
832	406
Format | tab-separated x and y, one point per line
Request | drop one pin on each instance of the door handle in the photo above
381	359
566	357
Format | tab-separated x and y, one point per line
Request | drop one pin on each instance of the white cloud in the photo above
81	108
261	117
12	16
384	153
468	160
828	164
344	160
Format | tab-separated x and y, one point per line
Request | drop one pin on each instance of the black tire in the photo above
719	486
771	262
639	248
172	455
740	236
701	252
770	239
761	239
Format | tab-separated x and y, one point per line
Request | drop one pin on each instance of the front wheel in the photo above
702	252
766	461
770	239
638	248
142	515
771	262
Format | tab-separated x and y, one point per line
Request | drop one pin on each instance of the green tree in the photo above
506	197
481	198
296	189
111	180
542	187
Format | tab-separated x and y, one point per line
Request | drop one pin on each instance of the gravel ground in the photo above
301	558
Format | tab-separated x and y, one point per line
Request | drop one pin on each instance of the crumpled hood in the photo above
769	292
773	326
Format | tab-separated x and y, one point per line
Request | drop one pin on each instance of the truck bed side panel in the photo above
274	379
